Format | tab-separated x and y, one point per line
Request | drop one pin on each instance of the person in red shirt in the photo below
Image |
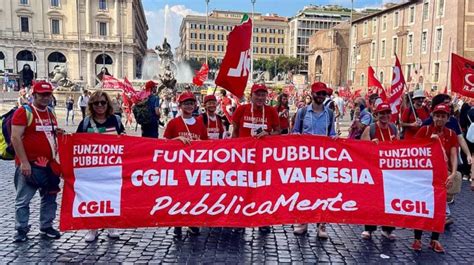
186	128
381	131
411	120
213	123
283	111
449	142
256	119
34	129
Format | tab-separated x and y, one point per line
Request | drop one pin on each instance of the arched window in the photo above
2	62
319	65
381	77
57	57
362	80
103	59
25	55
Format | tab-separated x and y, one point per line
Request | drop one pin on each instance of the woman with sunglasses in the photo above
101	119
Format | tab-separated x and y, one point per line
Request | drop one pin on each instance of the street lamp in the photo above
251	40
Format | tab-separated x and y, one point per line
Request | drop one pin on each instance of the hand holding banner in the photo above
123	181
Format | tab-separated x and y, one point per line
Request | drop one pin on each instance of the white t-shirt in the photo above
83	100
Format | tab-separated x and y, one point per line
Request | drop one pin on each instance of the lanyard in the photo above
208	121
381	133
49	136
263	119
187	128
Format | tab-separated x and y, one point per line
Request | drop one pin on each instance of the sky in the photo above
174	11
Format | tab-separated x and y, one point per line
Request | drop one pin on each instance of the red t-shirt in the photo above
384	135
34	140
284	119
215	130
409	117
243	118
176	127
448	137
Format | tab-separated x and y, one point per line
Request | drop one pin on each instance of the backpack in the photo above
87	121
302	114
391	126
6	148
142	112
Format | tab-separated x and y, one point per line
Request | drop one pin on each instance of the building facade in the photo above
328	53
82	35
423	34
309	21
269	35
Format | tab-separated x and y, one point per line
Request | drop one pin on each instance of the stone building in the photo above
83	35
423	34
328	53
269	35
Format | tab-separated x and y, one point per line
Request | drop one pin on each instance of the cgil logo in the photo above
409	206
93	207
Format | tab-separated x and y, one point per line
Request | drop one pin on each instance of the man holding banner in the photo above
258	120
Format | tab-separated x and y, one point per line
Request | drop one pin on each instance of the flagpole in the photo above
448	84
207	27
411	102
251	41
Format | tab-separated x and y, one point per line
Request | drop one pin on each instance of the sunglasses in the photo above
100	103
45	94
321	93
188	103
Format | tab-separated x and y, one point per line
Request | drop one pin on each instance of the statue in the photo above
168	68
61	80
166	56
168	80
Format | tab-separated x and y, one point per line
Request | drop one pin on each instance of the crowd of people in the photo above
187	118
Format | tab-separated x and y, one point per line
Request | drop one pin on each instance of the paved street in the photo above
220	245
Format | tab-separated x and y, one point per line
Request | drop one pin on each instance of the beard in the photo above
319	100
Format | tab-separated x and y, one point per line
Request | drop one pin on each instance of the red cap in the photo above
150	84
442	108
259	87
209	98
186	96
320	86
42	87
382	107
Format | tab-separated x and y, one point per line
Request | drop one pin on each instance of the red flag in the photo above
201	75
235	68
374	82
396	92
462	80
110	82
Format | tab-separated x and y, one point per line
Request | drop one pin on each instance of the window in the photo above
382	49
102	28
439	39
24	24
55	3
440	12
202	47
102	4
408	72
424	40
381	77
202	36
354	33
426	7
374	25
395	19
384	23
55	26
365	29
410	44
436	73
411	15
394	45
23	2
372	51
362	80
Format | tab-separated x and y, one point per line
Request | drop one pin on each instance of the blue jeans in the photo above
24	194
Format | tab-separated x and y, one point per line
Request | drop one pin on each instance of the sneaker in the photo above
113	233
416	245
436	246
300	229
21	235
465	177
50	233
389	236
450	198
366	235
238	230
193	231
91	235
322	234
264	229
177	231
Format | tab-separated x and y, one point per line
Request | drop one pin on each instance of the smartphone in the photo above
258	131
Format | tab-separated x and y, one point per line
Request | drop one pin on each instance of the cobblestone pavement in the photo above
218	245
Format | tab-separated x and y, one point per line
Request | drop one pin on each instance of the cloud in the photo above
166	22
